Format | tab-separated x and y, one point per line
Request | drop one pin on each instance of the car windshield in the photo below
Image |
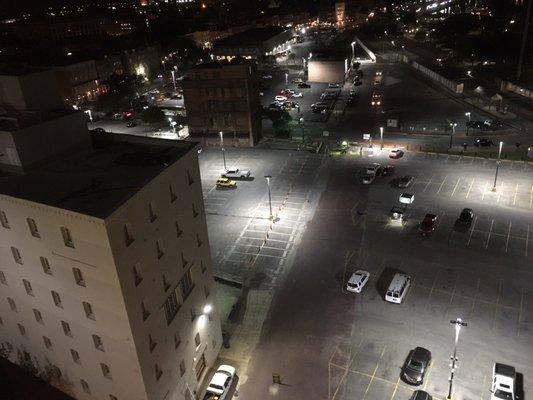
503	395
415	365
215	386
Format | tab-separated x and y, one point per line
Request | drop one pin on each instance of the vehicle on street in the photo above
373	169
287	92
280	98
297	94
388	170
328	96
131	124
379	73
406	198
297	81
220	383
398	214
420	395
376	99
357	281
398	288
236	173
483	142
396	153
405	181
275	105
428	224
267	76
334	85
319	107
304	85
416	365
503	385
465	218
492	124
368	179
225	183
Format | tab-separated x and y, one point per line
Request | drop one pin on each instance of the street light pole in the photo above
268	177
223	150
303	128
286	79
173	80
467	114
453	125
381	136
498	164
458	324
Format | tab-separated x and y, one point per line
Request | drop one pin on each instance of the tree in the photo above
152	115
281	121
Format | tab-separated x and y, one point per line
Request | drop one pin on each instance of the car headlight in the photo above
379	102
419	379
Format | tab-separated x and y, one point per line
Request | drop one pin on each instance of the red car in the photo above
429	224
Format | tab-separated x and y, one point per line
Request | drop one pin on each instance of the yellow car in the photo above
225	183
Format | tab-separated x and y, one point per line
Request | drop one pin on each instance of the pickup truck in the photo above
236	173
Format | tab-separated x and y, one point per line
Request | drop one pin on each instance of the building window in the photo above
75	356
12	304
38	316
177	340
194	211
47	343
171	307
89	313
144	309
105	371
98	344
57	299
22	330
166	285
182	368
173	196
128	234
206	291
186	285
33	228
184	262
152	211
27	286
67	237
16	255
46	265
151	342
66	329
178	229
3	279
189	178
85	386
78	277
3	219
159	249
137	274
158	372
198	240
197	340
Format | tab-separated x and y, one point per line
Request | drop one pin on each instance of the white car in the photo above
280	98
267	76
299	94
357	281
220	383
368	179
236	173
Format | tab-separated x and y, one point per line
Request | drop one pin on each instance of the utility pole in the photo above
458	324
524	41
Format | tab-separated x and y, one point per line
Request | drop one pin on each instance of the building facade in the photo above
106	280
223	97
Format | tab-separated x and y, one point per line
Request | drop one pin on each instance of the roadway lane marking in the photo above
520	311
515	194
470	188
442	184
508	235
374	373
427	184
455	187
472	231
490	233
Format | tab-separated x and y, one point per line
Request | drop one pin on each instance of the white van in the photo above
398	288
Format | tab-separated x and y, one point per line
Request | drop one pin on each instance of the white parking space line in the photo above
527	239
442	184
374	373
484	191
508	235
515	194
472	231
490	233
455	187
427	184
470	188
500	193
531	197
520	311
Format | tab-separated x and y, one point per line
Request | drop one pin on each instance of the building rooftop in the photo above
19	70
251	36
97	182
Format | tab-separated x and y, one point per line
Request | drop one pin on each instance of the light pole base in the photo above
493	188
448	397
273	218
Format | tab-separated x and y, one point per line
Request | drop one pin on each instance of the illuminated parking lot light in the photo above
497	166
207	309
223	150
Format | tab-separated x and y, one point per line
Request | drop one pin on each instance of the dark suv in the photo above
416	365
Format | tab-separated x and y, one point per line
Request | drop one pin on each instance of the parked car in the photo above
465	218
373	169
267	76
428	224
396	153
475	125
388	170
503	384
236	173
334	85
220	383
483	143
368	179
225	183
328	96
420	395
492	124
304	85
416	365
406	181
398	288
357	281
280	98
297	94
297	81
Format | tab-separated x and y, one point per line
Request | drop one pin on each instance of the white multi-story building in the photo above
106	284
